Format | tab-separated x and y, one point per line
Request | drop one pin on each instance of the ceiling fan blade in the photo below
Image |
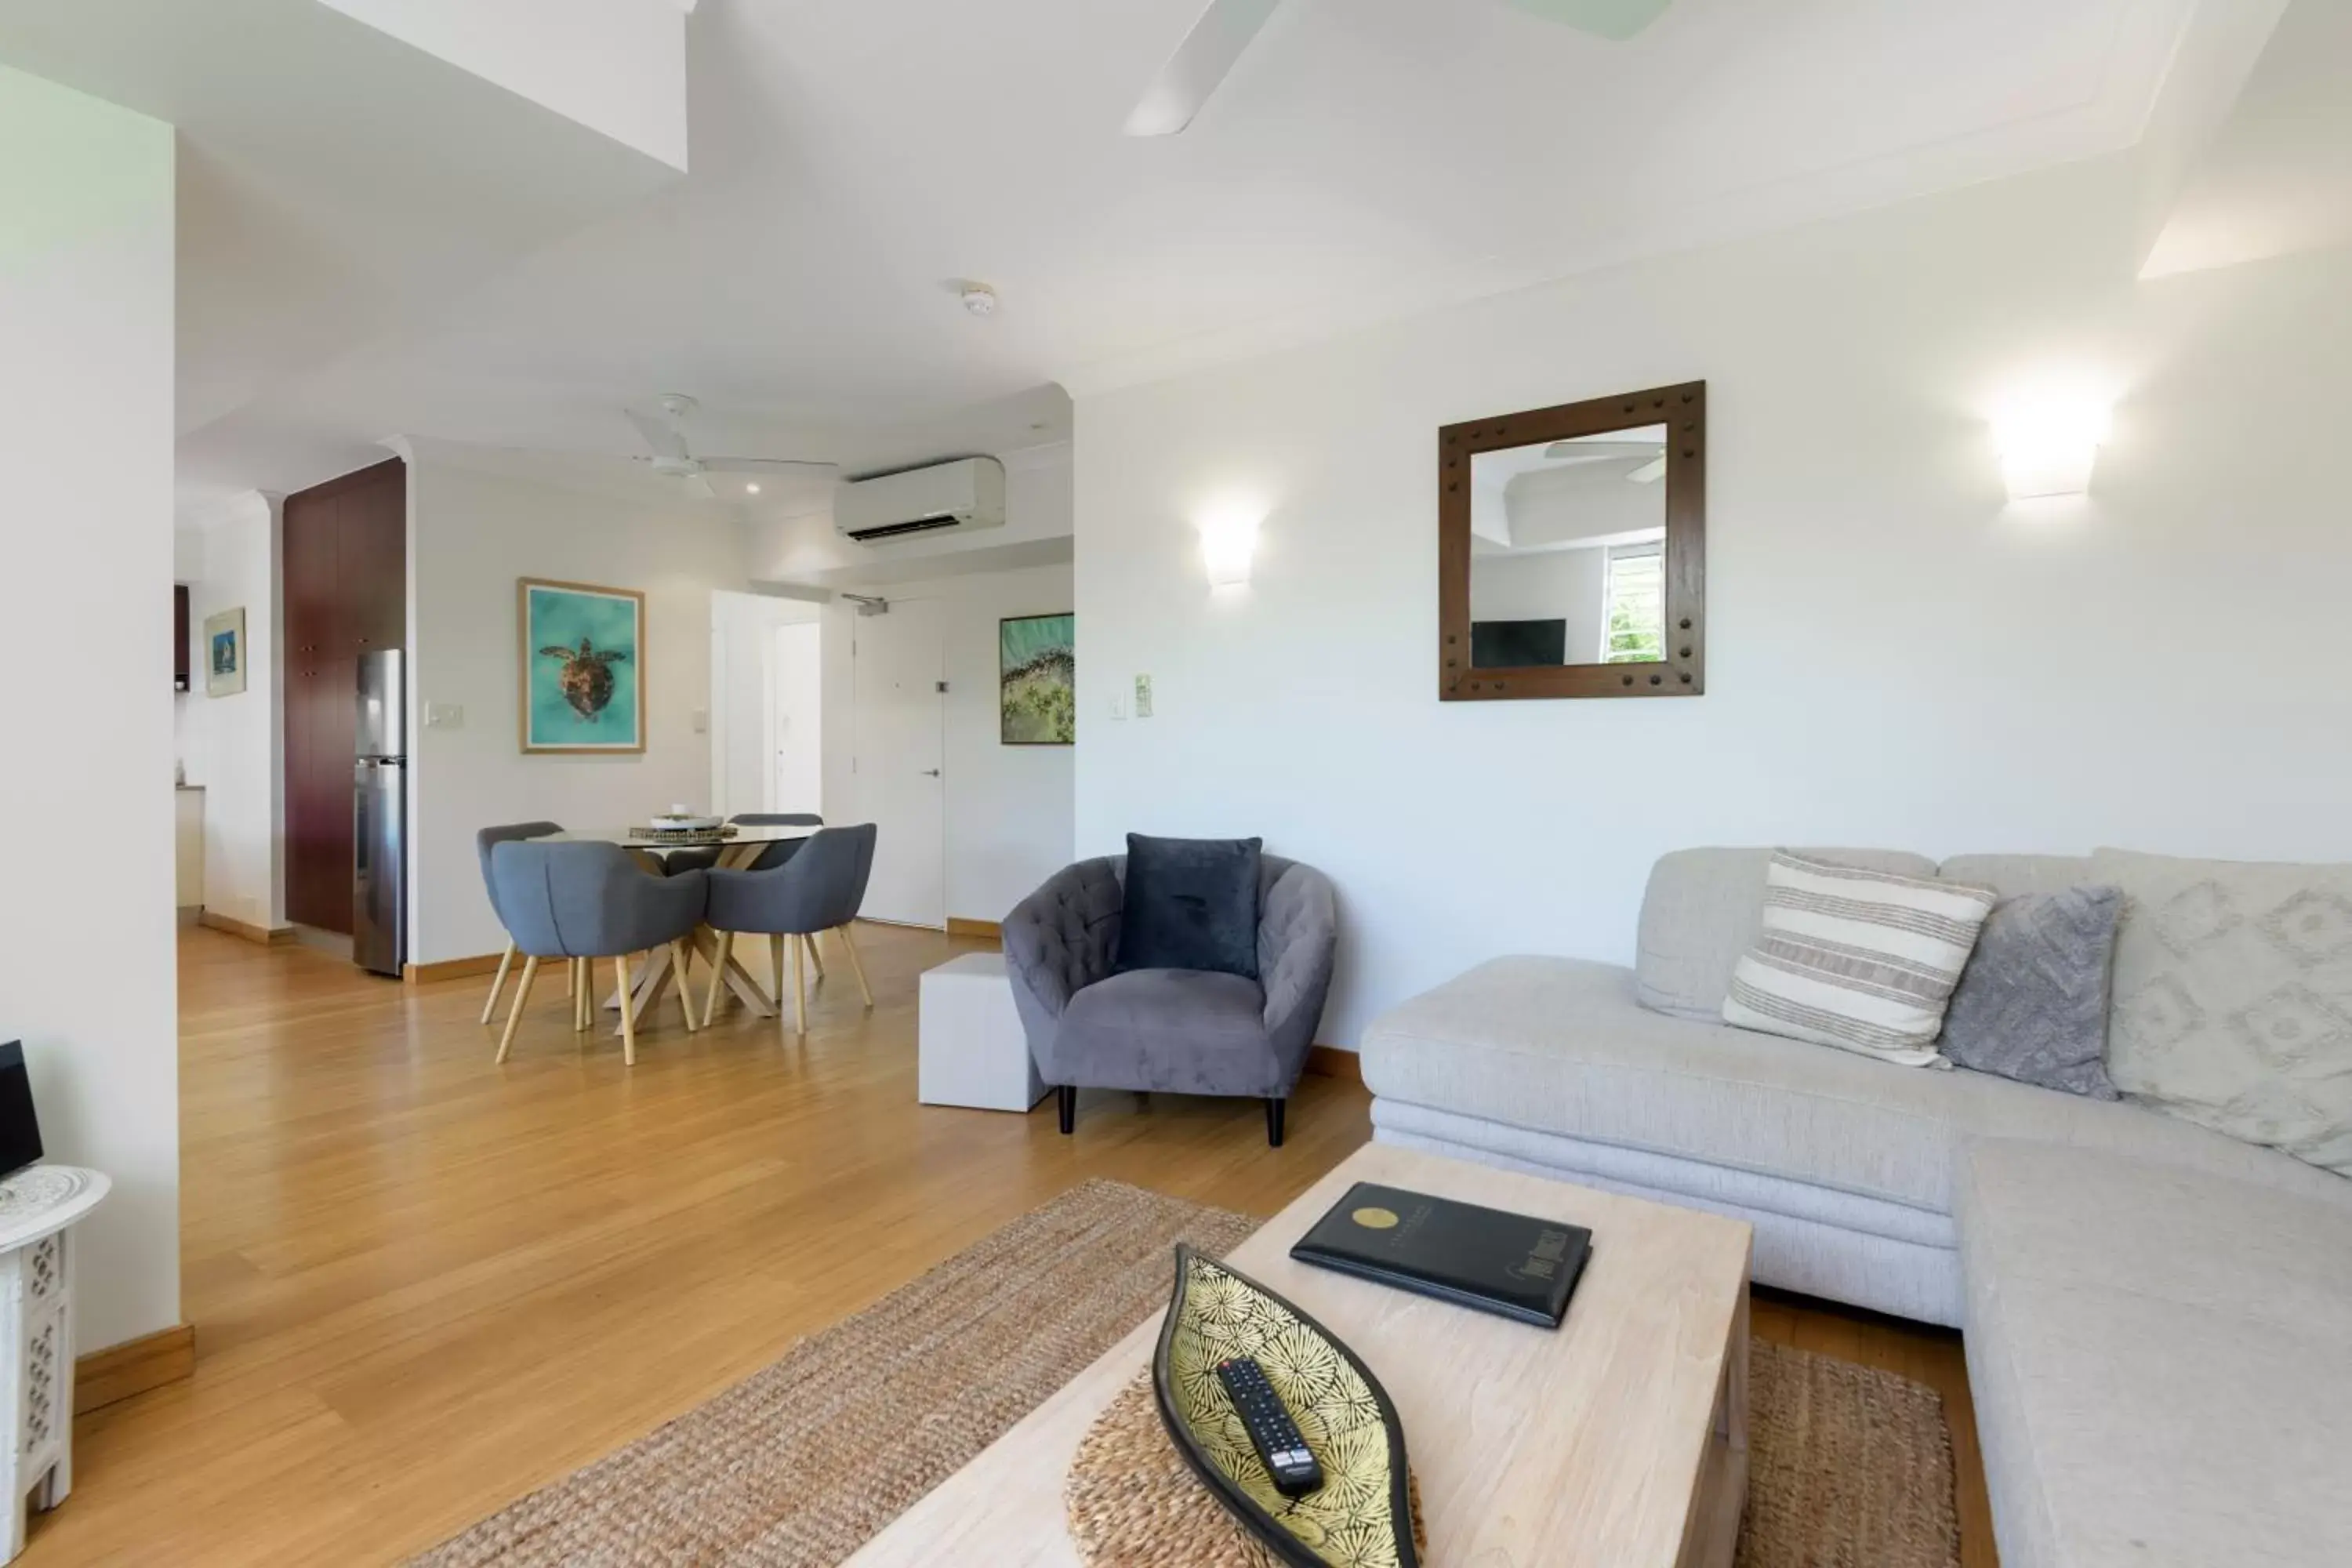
699	488
1613	19
766	464
1199	64
1649	473
658	433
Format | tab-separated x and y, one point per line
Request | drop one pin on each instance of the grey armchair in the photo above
587	901
1175	1030
484	841
819	888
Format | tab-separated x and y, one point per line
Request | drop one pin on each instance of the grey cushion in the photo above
1705	908
2233	997
2161	1363
1183	1031
2033	1002
1558	1044
1191	903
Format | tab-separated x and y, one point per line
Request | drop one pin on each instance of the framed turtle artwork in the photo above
583	667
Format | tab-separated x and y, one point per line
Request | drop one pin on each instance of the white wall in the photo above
1009	808
471	535
235	745
87	946
1896	656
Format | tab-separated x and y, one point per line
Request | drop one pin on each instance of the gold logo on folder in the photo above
1375	1218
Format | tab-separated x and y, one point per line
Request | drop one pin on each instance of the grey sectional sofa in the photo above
2158	1318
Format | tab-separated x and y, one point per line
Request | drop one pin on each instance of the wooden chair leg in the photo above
816	958
628	1014
522	994
491	1008
856	964
685	994
800	991
583	998
718	975
572	978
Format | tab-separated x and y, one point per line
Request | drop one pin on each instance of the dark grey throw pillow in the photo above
2033	1002
1192	903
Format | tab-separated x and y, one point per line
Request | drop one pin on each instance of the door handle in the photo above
930	772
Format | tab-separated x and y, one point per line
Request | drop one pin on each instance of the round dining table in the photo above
736	852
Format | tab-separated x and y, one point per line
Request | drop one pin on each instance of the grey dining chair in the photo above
819	888
484	841
582	902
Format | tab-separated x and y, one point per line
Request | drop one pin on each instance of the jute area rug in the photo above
1849	1466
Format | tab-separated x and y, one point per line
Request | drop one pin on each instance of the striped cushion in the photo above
1862	960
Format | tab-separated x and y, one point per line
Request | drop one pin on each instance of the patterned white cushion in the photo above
2233	999
1865	961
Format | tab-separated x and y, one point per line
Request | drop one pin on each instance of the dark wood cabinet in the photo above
179	636
345	576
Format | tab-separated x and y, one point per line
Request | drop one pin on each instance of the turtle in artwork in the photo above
587	676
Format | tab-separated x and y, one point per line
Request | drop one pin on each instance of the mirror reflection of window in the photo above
1567	552
1633	603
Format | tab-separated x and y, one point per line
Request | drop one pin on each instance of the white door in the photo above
796	781
900	722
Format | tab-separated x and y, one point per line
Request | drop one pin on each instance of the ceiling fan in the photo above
1566	453
671	460
1226	27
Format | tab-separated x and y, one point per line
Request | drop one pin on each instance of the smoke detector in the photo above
980	299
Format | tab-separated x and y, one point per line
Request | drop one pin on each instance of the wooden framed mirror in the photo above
1572	549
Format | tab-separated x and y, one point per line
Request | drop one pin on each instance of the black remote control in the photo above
1280	1448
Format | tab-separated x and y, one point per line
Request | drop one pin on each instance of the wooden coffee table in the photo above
1621	1439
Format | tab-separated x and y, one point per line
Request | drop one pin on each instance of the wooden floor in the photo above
423	1285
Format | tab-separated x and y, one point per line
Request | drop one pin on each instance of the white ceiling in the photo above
852	160
2277	177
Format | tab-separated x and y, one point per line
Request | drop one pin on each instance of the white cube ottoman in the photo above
970	1048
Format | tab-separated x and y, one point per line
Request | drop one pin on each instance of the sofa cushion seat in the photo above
1559	1046
2161	1362
1183	1031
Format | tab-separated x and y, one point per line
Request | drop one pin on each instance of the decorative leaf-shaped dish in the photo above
1362	1515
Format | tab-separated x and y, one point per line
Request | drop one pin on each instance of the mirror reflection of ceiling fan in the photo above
664	434
1226	27
1568	454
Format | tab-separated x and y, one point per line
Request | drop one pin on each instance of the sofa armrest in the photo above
1062	938
1297	938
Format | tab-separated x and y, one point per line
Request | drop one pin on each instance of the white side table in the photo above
971	1047
37	1206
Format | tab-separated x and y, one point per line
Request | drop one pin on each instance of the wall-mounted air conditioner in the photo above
945	498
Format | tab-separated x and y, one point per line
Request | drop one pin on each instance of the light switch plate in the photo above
702	721
1143	697
1119	707
445	716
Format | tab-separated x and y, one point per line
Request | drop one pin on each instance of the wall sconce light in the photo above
2049	445
1229	541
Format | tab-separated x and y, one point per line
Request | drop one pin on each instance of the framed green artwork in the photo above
1037	679
583	667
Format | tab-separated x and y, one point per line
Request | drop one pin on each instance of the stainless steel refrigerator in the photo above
379	816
